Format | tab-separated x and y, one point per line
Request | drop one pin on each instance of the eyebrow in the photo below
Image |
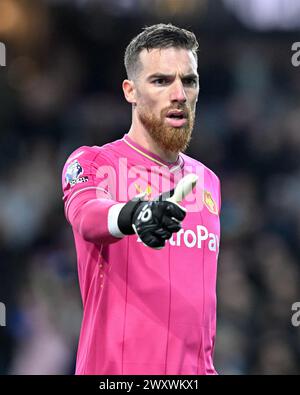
162	75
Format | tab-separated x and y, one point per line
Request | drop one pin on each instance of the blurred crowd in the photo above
61	89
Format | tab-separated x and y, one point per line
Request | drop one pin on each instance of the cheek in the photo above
143	100
193	101
150	104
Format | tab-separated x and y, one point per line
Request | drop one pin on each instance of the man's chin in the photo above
173	139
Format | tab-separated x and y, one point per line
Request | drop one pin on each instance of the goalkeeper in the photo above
147	244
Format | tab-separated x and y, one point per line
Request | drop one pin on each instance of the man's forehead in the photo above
168	60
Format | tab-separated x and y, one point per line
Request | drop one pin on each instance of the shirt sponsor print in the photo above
191	239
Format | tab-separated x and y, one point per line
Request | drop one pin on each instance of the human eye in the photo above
160	81
190	81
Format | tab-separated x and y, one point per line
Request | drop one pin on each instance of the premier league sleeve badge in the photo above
73	173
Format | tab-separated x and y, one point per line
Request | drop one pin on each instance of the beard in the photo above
167	137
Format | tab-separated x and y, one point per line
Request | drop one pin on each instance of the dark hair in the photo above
157	36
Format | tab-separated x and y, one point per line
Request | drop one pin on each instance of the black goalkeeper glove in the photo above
153	221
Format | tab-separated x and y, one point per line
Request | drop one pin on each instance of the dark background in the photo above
61	88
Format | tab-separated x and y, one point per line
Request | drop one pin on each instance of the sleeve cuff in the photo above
112	219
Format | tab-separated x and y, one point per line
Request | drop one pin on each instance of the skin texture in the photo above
167	80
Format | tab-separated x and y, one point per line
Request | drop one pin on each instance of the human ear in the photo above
129	91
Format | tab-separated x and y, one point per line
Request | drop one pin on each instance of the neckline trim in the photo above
153	157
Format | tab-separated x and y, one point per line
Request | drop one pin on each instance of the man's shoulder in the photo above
189	161
95	152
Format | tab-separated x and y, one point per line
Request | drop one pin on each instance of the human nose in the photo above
178	92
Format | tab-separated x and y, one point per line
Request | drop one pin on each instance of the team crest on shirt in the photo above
74	171
139	190
209	202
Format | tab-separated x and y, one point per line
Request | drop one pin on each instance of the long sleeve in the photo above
89	207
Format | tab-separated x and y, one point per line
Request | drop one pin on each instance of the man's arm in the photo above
105	220
86	202
97	217
89	216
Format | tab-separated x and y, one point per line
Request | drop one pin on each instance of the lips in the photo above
176	118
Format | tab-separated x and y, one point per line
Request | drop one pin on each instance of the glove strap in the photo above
126	214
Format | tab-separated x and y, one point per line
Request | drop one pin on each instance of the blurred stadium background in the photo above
61	88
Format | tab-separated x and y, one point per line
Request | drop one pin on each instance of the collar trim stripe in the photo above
146	155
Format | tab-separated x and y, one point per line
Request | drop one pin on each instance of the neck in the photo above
143	138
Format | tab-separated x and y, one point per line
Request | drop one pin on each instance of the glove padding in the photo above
155	221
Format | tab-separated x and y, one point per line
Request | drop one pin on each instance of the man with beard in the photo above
147	265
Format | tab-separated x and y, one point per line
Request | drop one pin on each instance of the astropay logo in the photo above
192	239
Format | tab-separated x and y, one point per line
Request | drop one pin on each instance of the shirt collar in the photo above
173	166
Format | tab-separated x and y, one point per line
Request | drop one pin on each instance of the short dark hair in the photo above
157	36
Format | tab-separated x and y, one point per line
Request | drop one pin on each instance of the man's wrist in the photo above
125	216
112	220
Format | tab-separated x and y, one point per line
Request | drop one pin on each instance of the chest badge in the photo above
209	202
147	190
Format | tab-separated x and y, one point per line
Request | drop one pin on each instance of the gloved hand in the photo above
156	220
